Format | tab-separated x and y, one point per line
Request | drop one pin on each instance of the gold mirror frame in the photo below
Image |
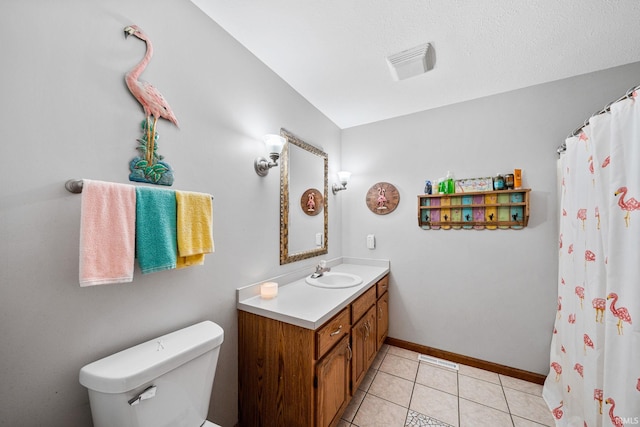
285	201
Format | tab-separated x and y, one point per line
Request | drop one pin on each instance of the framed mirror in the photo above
304	219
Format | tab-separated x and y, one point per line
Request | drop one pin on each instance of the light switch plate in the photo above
371	241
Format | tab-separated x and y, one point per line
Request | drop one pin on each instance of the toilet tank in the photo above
165	381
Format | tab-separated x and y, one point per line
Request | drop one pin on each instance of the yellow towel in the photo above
194	227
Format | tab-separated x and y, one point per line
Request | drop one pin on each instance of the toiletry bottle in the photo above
508	181
498	182
427	187
517	178
450	183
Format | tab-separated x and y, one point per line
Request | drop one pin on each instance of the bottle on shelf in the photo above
451	185
498	182
508	181
427	187
517	178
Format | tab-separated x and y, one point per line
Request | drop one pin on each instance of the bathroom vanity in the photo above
303	354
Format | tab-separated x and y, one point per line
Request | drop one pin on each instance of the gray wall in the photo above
65	112
485	294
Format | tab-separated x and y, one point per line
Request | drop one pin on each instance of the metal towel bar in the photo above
75	186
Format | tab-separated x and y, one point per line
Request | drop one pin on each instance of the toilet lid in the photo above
209	424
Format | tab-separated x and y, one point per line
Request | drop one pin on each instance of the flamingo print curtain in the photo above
594	377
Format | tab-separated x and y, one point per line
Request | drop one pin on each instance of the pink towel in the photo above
107	233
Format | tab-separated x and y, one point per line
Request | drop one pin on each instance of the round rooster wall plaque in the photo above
382	198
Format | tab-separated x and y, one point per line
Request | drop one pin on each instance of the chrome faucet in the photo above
321	268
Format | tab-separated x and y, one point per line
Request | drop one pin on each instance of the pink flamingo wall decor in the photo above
382	199
628	205
621	313
311	202
150	168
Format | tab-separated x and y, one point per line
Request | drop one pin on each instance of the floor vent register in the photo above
438	362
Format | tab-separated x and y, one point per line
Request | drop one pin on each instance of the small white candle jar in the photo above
269	290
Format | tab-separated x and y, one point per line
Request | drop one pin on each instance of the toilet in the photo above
164	382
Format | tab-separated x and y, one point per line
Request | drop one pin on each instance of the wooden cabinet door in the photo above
370	343
363	340
332	384
382	308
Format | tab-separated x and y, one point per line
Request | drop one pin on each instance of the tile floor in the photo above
401	391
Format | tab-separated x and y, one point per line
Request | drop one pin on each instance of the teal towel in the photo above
156	241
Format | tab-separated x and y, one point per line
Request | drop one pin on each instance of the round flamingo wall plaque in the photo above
382	198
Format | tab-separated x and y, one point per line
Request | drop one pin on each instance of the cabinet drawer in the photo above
362	304
382	285
332	332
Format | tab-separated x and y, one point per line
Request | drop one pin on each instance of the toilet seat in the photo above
209	424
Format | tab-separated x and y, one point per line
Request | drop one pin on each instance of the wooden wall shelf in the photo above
491	210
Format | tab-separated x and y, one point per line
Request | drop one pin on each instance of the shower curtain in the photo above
594	376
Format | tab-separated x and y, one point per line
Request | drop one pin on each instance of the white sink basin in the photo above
335	280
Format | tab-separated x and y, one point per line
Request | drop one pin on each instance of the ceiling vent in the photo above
411	62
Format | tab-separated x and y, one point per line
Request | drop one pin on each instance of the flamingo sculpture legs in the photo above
151	139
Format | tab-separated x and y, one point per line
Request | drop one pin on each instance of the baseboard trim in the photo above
469	361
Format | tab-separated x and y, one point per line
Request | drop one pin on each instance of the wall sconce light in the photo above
274	144
343	177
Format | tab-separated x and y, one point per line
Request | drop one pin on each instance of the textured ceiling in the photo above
333	52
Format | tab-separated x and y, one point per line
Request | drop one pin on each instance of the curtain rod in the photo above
75	186
607	108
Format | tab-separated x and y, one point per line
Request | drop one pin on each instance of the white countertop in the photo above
301	304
